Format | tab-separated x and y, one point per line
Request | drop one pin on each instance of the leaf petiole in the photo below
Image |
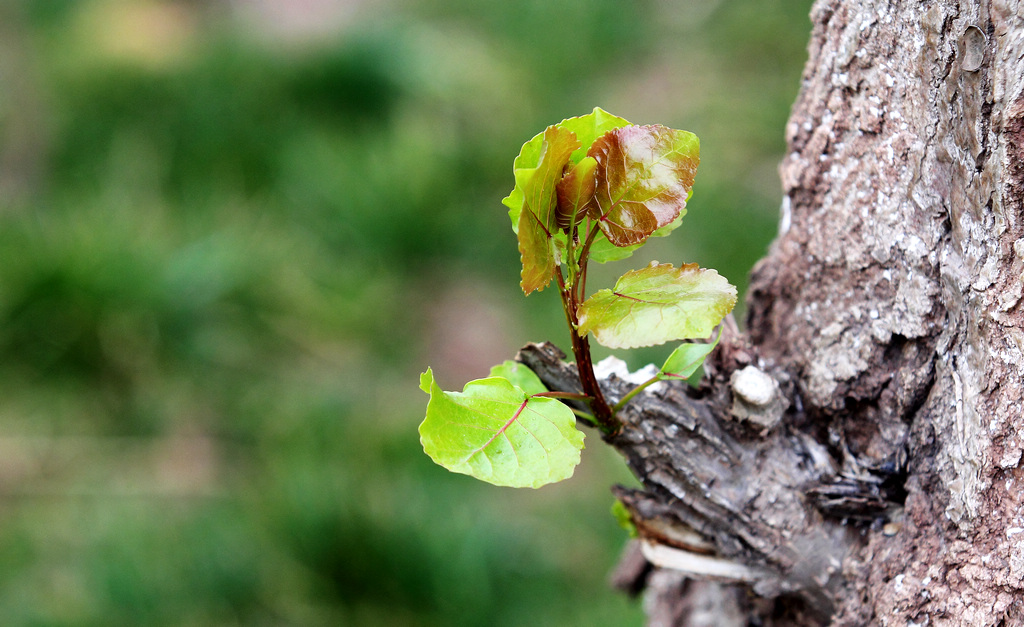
580	289
640	388
585	416
572	396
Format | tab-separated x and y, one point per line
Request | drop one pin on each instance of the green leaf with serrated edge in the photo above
657	304
574	193
686	358
644	176
497	433
586	127
537	218
520	376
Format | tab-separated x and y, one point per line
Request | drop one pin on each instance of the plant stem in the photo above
640	388
604	416
580	287
585	416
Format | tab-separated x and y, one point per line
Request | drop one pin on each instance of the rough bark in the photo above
893	293
889	312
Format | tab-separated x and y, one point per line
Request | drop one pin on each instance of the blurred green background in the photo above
233	234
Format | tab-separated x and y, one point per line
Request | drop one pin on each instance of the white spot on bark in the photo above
756	398
698	566
753	386
785	215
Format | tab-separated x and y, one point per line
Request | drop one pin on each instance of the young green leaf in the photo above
587	128
624	518
537	222
657	304
520	376
644	176
575	193
686	358
496	432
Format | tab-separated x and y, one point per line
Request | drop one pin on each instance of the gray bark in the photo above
889	312
893	297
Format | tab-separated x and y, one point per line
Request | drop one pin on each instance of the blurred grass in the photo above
230	241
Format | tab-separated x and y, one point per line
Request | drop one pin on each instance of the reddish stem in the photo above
603	414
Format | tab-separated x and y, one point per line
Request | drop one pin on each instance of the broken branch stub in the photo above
744	494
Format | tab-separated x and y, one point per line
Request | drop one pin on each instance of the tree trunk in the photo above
876	478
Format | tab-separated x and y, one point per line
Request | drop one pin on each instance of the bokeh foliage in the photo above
228	251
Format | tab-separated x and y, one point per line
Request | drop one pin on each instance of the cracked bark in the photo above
889	310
